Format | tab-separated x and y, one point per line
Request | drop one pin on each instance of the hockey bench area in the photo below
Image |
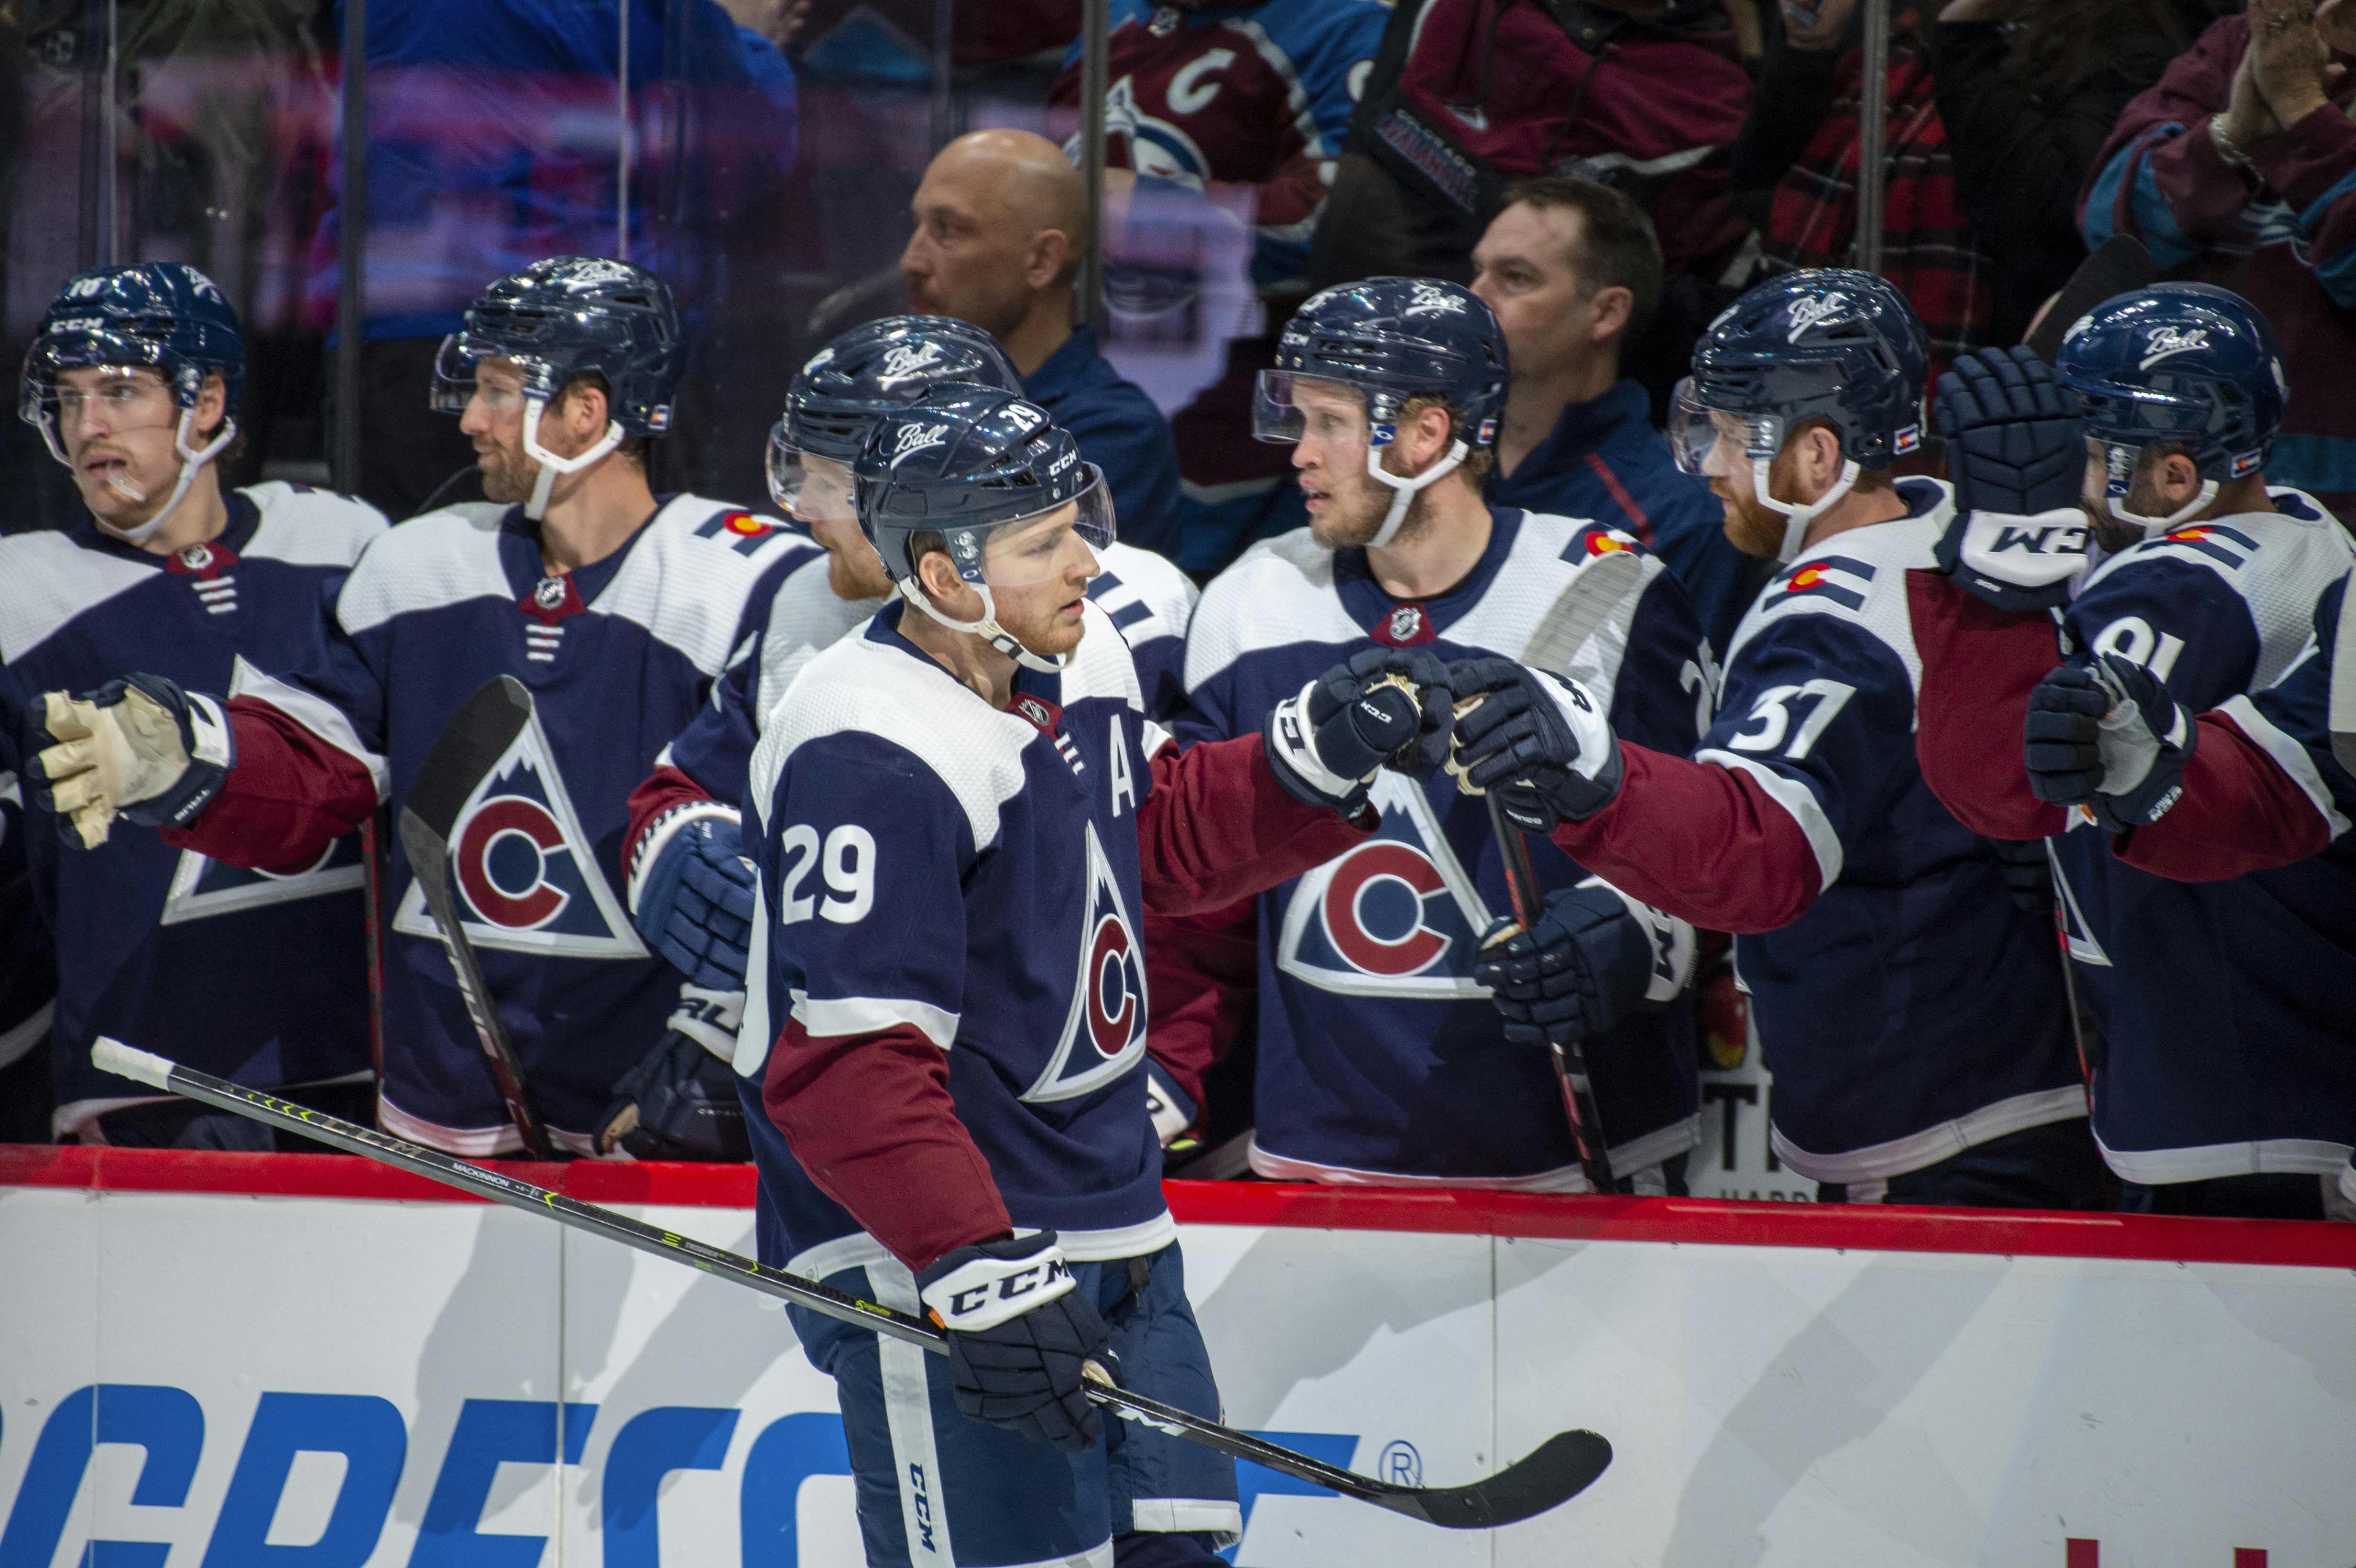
218	1360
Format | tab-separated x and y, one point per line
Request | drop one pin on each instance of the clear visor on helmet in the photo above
1022	551
1715	442
808	488
1287	407
94	384
465	372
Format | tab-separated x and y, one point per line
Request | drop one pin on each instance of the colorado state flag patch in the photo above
1838	578
2227	547
746	531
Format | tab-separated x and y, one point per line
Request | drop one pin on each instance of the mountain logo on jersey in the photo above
1397	916
1157	148
528	880
202	887
1104	1034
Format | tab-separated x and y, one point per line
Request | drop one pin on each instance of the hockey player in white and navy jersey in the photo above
1382	1056
617	611
690	883
2225	1078
965	812
1914	1016
133	381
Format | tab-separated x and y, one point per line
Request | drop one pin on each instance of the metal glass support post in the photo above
1872	135
1095	66
351	293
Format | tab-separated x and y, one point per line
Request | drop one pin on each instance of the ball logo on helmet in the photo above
912	439
908	362
2161	342
1815	312
1431	299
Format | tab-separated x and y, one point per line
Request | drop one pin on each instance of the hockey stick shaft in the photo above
1558	1470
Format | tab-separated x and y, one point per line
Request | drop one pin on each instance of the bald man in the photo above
1001	225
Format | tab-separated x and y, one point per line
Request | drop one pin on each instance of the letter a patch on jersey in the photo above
203	887
526	879
1397	916
1105	1032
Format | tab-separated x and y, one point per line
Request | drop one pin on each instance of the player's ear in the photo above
2180	478
1613	306
212	406
1050	256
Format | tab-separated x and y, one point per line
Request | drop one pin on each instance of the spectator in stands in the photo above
1572	271
1795	170
492	144
2027	92
1001	225
2239	169
1248	105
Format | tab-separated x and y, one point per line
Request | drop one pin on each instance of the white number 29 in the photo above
1771	718
849	861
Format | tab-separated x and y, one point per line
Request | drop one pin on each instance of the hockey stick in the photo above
469	748
1556	1471
2341	706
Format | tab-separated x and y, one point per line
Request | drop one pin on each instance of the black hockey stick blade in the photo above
1562	1466
2116	265
469	748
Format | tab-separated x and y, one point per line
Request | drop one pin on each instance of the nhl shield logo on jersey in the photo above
528	880
1397	916
1405	626
1103	1033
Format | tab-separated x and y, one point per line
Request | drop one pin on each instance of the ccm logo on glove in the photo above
984	1291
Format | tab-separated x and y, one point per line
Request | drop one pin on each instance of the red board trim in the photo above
1691	1222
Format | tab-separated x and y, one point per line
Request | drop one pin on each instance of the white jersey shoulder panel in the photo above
1533	576
311	528
50	580
689	589
1280	591
805	619
1150	579
1860	577
440	559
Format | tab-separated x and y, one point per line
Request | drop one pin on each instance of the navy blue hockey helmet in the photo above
1391	339
165	316
965	462
864	374
2187	363
565	316
1825	343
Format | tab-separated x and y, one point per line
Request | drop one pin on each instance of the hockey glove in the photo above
680	1102
1019	1334
2110	738
2028	875
139	748
692	895
1387	706
2015	451
1593	957
1538	739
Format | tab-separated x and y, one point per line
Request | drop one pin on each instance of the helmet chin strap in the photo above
2183	515
1797	518
987	628
551	465
1403	490
191	459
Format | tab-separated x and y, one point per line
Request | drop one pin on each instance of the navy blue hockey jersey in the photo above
1380	1059
2226	1034
932	861
1912	1011
250	977
618	656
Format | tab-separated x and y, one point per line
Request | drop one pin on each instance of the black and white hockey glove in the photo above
1020	1333
2110	738
680	1102
1386	707
691	894
1538	739
2016	453
1594	957
139	748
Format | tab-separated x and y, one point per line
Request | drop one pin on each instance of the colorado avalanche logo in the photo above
203	887
528	880
1103	1033
1156	147
1396	916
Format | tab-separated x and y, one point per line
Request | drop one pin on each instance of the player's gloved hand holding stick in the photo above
139	748
1592	956
2110	738
2016	453
1386	706
1019	1334
1538	739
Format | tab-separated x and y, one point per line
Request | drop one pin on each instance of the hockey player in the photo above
616	611
1381	1059
132	381
2203	574
964	810
1913	1016
690	884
